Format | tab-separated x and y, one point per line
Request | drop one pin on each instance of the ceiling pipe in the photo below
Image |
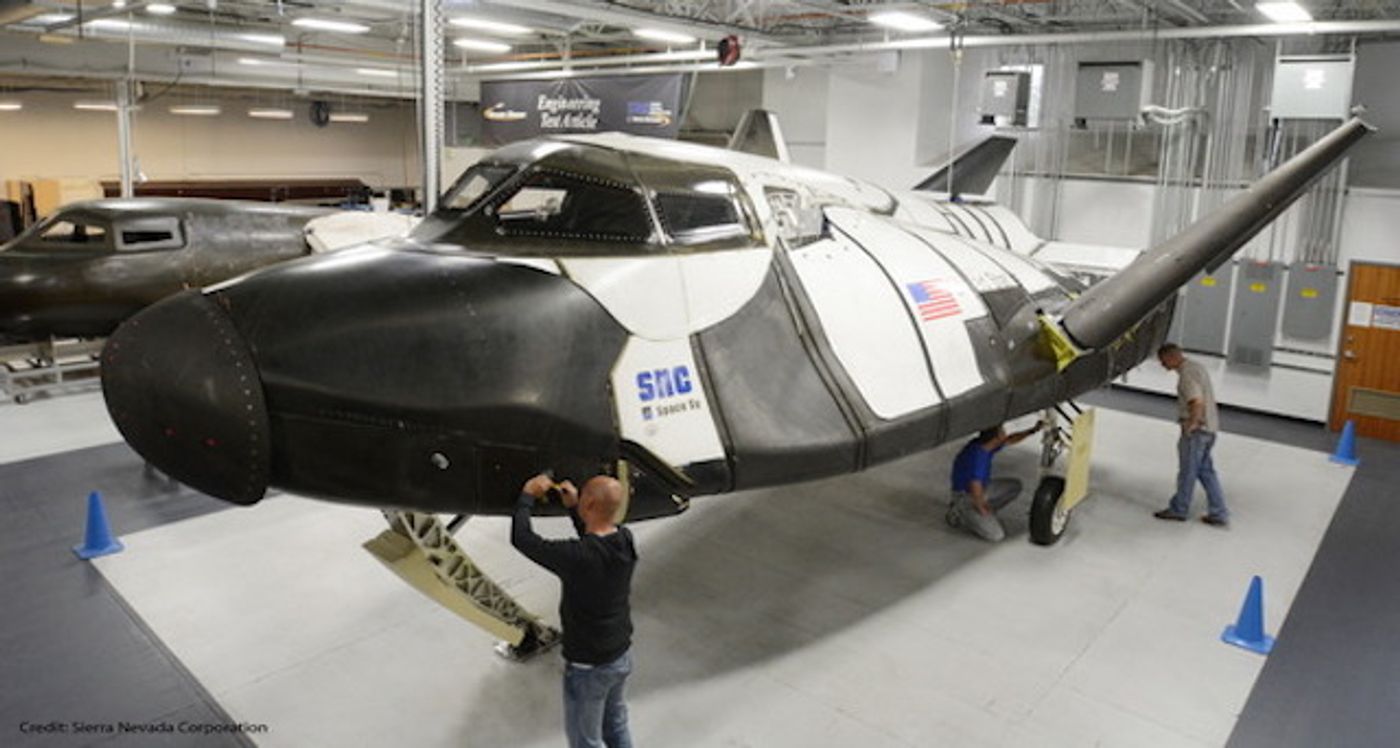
627	17
785	55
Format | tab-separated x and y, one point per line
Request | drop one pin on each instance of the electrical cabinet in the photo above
1006	97
1112	90
1312	87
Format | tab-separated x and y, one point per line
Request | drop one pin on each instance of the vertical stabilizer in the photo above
971	170
758	133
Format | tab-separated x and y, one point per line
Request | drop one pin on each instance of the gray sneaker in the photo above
953	517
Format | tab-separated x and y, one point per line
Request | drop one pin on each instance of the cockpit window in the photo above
73	235
701	217
559	205
147	234
474	184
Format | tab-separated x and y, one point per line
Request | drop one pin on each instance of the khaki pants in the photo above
961	512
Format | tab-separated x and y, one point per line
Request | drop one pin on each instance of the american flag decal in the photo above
934	302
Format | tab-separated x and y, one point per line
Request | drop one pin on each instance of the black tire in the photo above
1043	520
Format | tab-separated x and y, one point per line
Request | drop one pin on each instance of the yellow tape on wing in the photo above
1081	450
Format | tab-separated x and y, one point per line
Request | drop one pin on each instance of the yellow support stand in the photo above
1081	448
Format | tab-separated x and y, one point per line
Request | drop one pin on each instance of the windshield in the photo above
62	233
474	184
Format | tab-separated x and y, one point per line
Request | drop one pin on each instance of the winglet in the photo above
1111	308
971	170
758	133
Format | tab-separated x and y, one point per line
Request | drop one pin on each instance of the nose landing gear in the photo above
1056	495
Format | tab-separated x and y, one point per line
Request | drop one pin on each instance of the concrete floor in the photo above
840	612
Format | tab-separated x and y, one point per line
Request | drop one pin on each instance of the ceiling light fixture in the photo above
481	45
109	24
658	35
272	40
160	9
323	24
1285	12
49	19
906	22
118	4
196	110
355	117
262	62
269	113
95	106
378	72
10	106
491	27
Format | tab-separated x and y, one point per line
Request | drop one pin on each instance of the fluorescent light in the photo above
674	37
95	106
160	9
110	24
1286	12
196	110
10	106
378	72
491	27
118	4
481	45
269	113
262	62
900	21
272	40
49	19
322	24
355	117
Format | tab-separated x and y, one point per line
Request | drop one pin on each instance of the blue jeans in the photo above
595	713
1193	453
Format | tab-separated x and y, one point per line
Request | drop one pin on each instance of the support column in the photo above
430	95
124	136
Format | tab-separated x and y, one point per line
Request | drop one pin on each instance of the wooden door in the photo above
1366	388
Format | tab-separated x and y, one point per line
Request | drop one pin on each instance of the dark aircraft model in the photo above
89	266
694	320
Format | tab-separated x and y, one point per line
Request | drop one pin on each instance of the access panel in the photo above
1311	302
1255	318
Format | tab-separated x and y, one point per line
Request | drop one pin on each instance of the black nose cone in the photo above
183	390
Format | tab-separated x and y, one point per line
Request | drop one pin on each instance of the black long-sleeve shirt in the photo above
596	574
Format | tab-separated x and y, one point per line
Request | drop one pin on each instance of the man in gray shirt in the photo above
1200	422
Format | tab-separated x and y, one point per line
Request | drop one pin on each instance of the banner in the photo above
637	104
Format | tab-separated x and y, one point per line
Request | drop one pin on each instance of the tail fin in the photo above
971	170
758	133
1108	310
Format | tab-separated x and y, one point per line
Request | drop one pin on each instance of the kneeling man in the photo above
977	497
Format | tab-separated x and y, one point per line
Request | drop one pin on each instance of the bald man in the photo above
596	572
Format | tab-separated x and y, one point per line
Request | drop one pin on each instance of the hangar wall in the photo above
887	123
50	139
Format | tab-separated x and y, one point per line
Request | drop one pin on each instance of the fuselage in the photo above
696	320
82	271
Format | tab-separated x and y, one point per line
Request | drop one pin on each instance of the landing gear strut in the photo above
1051	506
421	550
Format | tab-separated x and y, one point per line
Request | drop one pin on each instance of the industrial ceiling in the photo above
368	46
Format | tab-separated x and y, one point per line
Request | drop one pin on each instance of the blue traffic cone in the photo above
1346	446
98	540
1247	632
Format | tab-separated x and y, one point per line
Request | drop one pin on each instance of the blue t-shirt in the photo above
973	463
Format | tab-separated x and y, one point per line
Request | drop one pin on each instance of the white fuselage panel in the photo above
661	402
669	296
868	325
937	297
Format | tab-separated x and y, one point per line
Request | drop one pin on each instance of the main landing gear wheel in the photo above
1048	520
